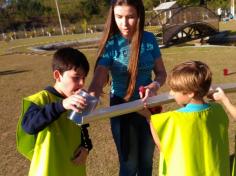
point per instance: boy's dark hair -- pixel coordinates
(190, 76)
(69, 58)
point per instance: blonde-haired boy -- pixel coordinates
(193, 140)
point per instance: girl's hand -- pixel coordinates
(146, 91)
(144, 94)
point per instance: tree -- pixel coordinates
(4, 21)
(188, 2)
(215, 4)
(26, 13)
(89, 8)
(149, 4)
(202, 2)
(84, 25)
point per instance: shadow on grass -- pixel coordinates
(10, 72)
(232, 32)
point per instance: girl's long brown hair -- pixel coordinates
(111, 28)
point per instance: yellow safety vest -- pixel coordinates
(193, 143)
(51, 151)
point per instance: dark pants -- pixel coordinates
(133, 141)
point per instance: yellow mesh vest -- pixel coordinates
(193, 143)
(51, 151)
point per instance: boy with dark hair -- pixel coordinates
(193, 140)
(54, 144)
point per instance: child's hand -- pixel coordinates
(74, 102)
(219, 94)
(80, 156)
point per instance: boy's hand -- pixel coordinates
(210, 93)
(80, 156)
(74, 102)
(216, 94)
(219, 95)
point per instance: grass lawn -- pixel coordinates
(22, 75)
(231, 26)
(23, 44)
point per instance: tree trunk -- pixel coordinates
(202, 2)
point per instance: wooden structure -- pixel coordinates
(186, 23)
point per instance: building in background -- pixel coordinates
(167, 9)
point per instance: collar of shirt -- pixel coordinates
(193, 108)
(53, 91)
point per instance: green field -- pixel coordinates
(22, 75)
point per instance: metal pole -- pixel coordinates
(138, 105)
(59, 18)
(232, 8)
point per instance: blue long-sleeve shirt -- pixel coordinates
(37, 118)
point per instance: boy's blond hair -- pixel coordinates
(190, 76)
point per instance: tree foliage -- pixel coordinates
(24, 14)
(149, 4)
(214, 4)
(188, 2)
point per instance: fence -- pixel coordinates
(49, 31)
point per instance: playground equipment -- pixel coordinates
(183, 24)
